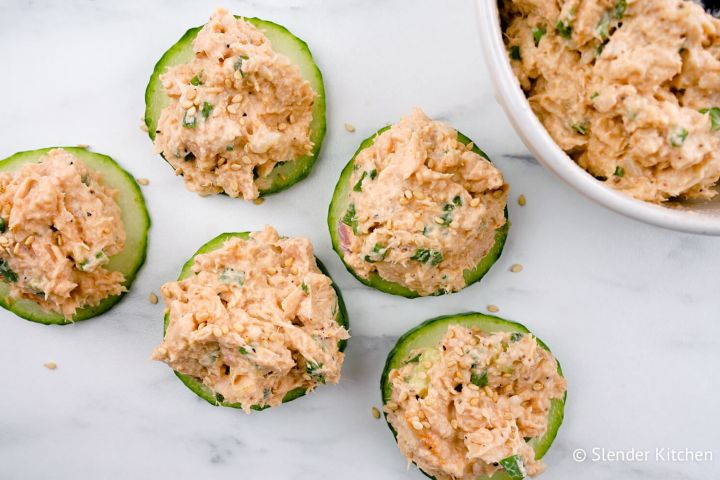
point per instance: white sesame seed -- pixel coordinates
(143, 181)
(516, 268)
(521, 200)
(50, 365)
(474, 202)
(153, 298)
(350, 127)
(375, 413)
(493, 308)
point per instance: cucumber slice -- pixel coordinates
(429, 334)
(284, 174)
(339, 205)
(135, 220)
(195, 384)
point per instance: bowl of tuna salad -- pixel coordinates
(237, 107)
(73, 234)
(253, 321)
(473, 396)
(619, 98)
(419, 210)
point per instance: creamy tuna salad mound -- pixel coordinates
(628, 88)
(465, 405)
(423, 208)
(255, 321)
(236, 110)
(59, 225)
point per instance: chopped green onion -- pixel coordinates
(243, 351)
(424, 255)
(515, 52)
(594, 95)
(457, 201)
(678, 136)
(312, 369)
(187, 122)
(6, 272)
(3, 225)
(619, 171)
(602, 31)
(414, 359)
(219, 397)
(206, 109)
(479, 379)
(581, 128)
(304, 287)
(196, 80)
(564, 30)
(230, 276)
(358, 185)
(350, 218)
(436, 257)
(238, 64)
(514, 337)
(619, 9)
(538, 33)
(373, 174)
(714, 117)
(377, 254)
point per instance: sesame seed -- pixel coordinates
(474, 202)
(50, 365)
(153, 298)
(282, 126)
(237, 98)
(143, 181)
(453, 423)
(294, 270)
(419, 195)
(235, 167)
(289, 261)
(350, 127)
(217, 331)
(474, 402)
(403, 201)
(516, 268)
(375, 413)
(537, 386)
(233, 108)
(191, 111)
(259, 201)
(392, 406)
(16, 249)
(191, 94)
(408, 194)
(86, 146)
(271, 271)
(4, 240)
(439, 220)
(470, 146)
(417, 425)
(29, 240)
(493, 308)
(521, 200)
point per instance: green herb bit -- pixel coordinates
(514, 467)
(594, 95)
(219, 397)
(436, 257)
(350, 218)
(563, 29)
(358, 185)
(514, 337)
(515, 53)
(312, 369)
(304, 287)
(457, 201)
(373, 174)
(3, 225)
(85, 179)
(714, 117)
(196, 80)
(603, 27)
(189, 122)
(479, 379)
(6, 272)
(238, 64)
(678, 136)
(421, 255)
(229, 148)
(207, 109)
(230, 276)
(581, 127)
(377, 254)
(243, 351)
(538, 33)
(619, 9)
(619, 171)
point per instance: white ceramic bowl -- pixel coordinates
(693, 217)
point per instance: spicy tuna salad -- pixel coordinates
(630, 89)
(474, 403)
(59, 226)
(236, 110)
(420, 208)
(255, 320)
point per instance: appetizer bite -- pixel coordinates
(472, 396)
(237, 107)
(73, 234)
(629, 89)
(253, 321)
(419, 210)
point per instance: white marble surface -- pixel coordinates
(630, 310)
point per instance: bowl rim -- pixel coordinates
(533, 134)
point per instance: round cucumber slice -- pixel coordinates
(284, 174)
(429, 334)
(136, 221)
(195, 384)
(339, 205)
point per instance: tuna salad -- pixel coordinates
(630, 89)
(59, 225)
(423, 209)
(255, 321)
(472, 404)
(237, 109)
